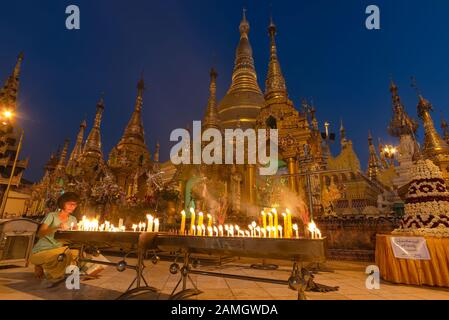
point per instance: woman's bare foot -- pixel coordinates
(39, 272)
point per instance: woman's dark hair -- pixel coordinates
(67, 197)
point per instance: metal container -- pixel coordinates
(16, 241)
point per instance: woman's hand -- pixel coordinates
(45, 230)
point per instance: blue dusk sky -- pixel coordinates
(325, 50)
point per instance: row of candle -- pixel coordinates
(270, 228)
(152, 225)
(93, 225)
(86, 224)
(273, 222)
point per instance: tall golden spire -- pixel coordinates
(373, 161)
(78, 149)
(211, 119)
(445, 128)
(400, 124)
(275, 86)
(244, 98)
(93, 142)
(433, 143)
(343, 140)
(63, 157)
(156, 152)
(8, 93)
(134, 133)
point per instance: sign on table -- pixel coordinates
(411, 248)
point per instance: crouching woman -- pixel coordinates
(47, 250)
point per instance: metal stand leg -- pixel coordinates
(185, 293)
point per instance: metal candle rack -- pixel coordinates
(298, 251)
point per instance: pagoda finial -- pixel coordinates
(373, 161)
(93, 142)
(401, 124)
(8, 93)
(343, 140)
(140, 87)
(156, 152)
(244, 25)
(211, 119)
(275, 86)
(78, 149)
(63, 157)
(433, 144)
(134, 133)
(445, 128)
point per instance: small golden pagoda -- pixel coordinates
(434, 148)
(130, 159)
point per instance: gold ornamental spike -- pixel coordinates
(275, 86)
(433, 144)
(93, 142)
(211, 119)
(9, 91)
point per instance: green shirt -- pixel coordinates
(48, 242)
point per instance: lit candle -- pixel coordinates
(276, 223)
(150, 219)
(264, 219)
(247, 234)
(209, 221)
(200, 220)
(123, 229)
(210, 231)
(144, 226)
(120, 223)
(192, 221)
(284, 215)
(134, 227)
(295, 227)
(280, 231)
(312, 228)
(231, 231)
(237, 229)
(264, 232)
(254, 225)
(71, 226)
(183, 223)
(156, 225)
(289, 223)
(251, 229)
(193, 233)
(269, 232)
(228, 232)
(258, 234)
(216, 233)
(203, 230)
(270, 220)
(220, 229)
